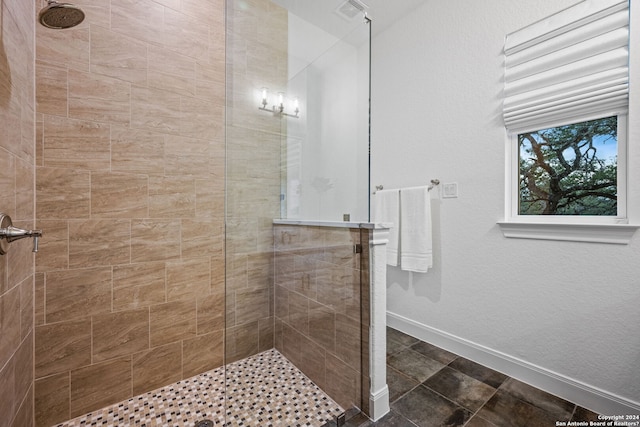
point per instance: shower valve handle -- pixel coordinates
(9, 233)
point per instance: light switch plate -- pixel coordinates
(450, 190)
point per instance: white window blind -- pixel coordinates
(571, 65)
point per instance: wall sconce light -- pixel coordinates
(278, 108)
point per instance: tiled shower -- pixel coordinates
(129, 158)
(140, 132)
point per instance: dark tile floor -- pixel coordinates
(432, 387)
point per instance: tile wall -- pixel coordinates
(256, 58)
(17, 171)
(129, 285)
(319, 322)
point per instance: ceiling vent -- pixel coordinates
(350, 9)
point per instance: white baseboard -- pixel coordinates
(379, 404)
(559, 385)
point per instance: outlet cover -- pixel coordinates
(450, 190)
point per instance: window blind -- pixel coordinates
(573, 64)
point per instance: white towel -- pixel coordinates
(416, 253)
(386, 208)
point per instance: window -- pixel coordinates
(572, 170)
(565, 106)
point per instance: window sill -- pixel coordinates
(620, 234)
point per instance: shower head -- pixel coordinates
(60, 15)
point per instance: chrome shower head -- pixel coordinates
(60, 15)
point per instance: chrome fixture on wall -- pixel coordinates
(9, 233)
(278, 108)
(60, 15)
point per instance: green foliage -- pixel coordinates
(563, 173)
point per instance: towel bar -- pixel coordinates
(434, 182)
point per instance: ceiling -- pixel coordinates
(383, 13)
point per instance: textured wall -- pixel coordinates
(130, 195)
(569, 308)
(17, 171)
(318, 307)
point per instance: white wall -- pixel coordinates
(556, 313)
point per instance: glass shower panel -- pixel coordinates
(325, 155)
(292, 289)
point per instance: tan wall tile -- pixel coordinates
(138, 285)
(172, 197)
(305, 354)
(118, 195)
(4, 284)
(171, 71)
(120, 334)
(348, 337)
(343, 383)
(53, 248)
(185, 34)
(241, 341)
(100, 98)
(155, 240)
(39, 299)
(210, 312)
(189, 279)
(66, 48)
(173, 321)
(208, 11)
(62, 193)
(25, 194)
(201, 118)
(136, 151)
(51, 92)
(186, 156)
(99, 242)
(118, 56)
(253, 304)
(96, 386)
(97, 13)
(202, 353)
(260, 270)
(174, 4)
(39, 143)
(236, 268)
(201, 237)
(62, 346)
(9, 324)
(75, 144)
(52, 399)
(299, 312)
(332, 282)
(322, 325)
(26, 307)
(7, 183)
(139, 19)
(7, 384)
(157, 367)
(211, 90)
(267, 333)
(23, 362)
(282, 303)
(73, 294)
(209, 198)
(155, 110)
(218, 271)
(24, 414)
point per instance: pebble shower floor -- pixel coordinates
(263, 390)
